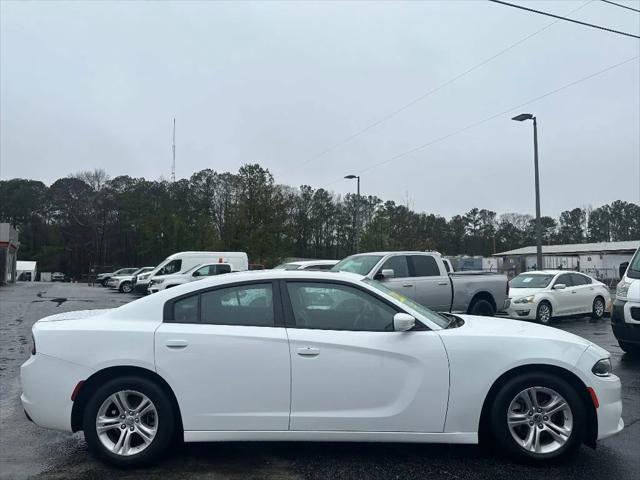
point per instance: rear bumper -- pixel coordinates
(47, 385)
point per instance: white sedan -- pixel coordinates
(312, 356)
(542, 295)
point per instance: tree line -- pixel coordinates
(90, 220)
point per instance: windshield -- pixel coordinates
(287, 266)
(528, 280)
(361, 264)
(633, 271)
(436, 318)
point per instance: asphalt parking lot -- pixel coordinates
(27, 451)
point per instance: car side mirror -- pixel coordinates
(388, 273)
(403, 322)
(196, 274)
(559, 286)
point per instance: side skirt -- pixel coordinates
(329, 436)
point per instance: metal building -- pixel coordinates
(601, 260)
(9, 245)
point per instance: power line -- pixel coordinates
(499, 114)
(565, 18)
(404, 107)
(621, 6)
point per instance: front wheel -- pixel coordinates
(538, 417)
(630, 348)
(543, 314)
(126, 287)
(129, 422)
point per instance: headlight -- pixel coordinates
(143, 277)
(602, 368)
(155, 282)
(622, 289)
(528, 299)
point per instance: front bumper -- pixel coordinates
(608, 391)
(625, 321)
(522, 311)
(141, 287)
(47, 385)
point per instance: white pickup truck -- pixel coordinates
(422, 276)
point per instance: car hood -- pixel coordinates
(122, 277)
(524, 292)
(77, 315)
(173, 276)
(501, 327)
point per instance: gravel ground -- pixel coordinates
(27, 451)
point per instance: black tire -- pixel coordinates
(544, 313)
(597, 309)
(630, 348)
(126, 287)
(500, 428)
(166, 422)
(482, 308)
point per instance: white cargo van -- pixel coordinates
(625, 315)
(182, 261)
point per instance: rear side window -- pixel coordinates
(580, 279)
(248, 305)
(424, 266)
(185, 310)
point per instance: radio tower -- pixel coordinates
(173, 150)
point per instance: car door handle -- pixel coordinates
(573, 291)
(308, 352)
(407, 284)
(176, 344)
(443, 283)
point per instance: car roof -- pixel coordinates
(550, 272)
(261, 275)
(398, 252)
(313, 262)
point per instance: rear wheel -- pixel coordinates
(129, 421)
(483, 308)
(126, 287)
(538, 417)
(543, 314)
(597, 310)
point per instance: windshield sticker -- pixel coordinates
(527, 279)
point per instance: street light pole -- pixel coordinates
(520, 118)
(357, 233)
(538, 220)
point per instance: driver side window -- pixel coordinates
(327, 306)
(565, 278)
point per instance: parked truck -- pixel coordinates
(423, 277)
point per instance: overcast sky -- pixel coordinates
(96, 84)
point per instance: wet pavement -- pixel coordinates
(27, 451)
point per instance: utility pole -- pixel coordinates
(173, 150)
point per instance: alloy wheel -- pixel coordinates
(540, 420)
(544, 313)
(598, 307)
(127, 422)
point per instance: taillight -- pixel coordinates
(33, 345)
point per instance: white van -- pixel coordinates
(183, 261)
(625, 315)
